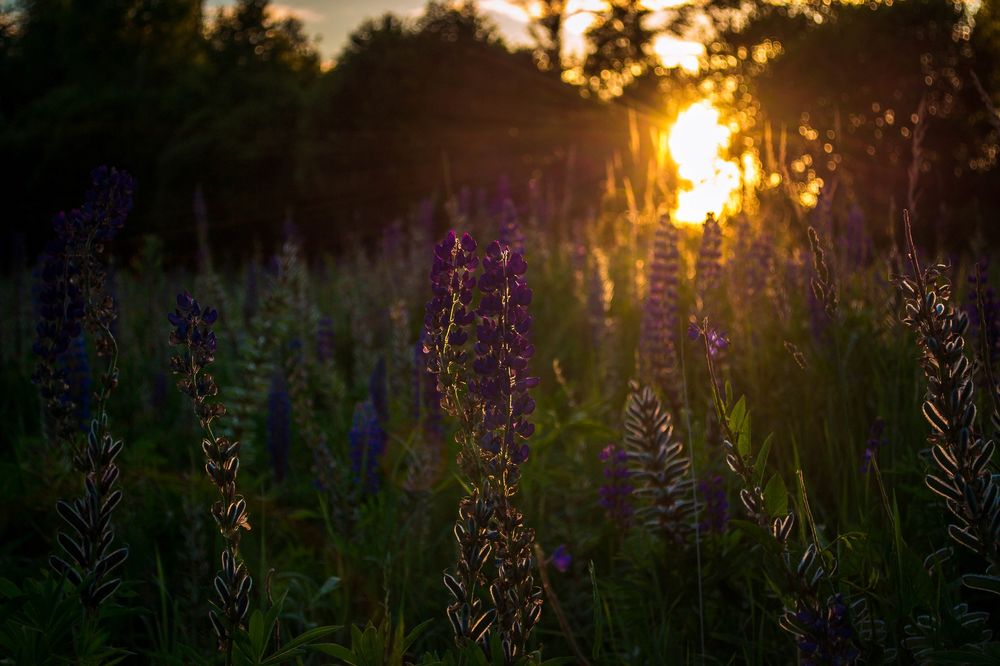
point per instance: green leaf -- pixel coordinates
(331, 584)
(598, 615)
(776, 497)
(339, 651)
(414, 634)
(739, 423)
(8, 590)
(761, 460)
(297, 644)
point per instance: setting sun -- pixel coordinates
(710, 183)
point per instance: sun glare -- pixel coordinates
(709, 182)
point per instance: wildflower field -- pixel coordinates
(535, 421)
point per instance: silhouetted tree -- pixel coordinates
(620, 47)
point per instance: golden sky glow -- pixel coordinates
(709, 182)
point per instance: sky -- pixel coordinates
(332, 21)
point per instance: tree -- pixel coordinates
(620, 47)
(547, 18)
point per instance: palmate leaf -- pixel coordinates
(658, 465)
(982, 582)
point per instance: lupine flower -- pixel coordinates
(715, 506)
(74, 295)
(366, 443)
(192, 331)
(560, 558)
(279, 425)
(448, 313)
(876, 440)
(659, 316)
(502, 353)
(961, 474)
(72, 291)
(708, 268)
(501, 386)
(717, 340)
(984, 325)
(828, 639)
(760, 261)
(616, 492)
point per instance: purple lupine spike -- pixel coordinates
(985, 324)
(72, 275)
(616, 492)
(708, 268)
(108, 201)
(876, 440)
(760, 264)
(659, 318)
(827, 636)
(279, 425)
(449, 314)
(192, 328)
(502, 354)
(366, 441)
(857, 240)
(715, 506)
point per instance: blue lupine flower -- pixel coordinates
(659, 316)
(279, 425)
(561, 559)
(984, 325)
(715, 505)
(502, 354)
(876, 440)
(366, 441)
(717, 340)
(616, 492)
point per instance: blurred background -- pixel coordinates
(340, 111)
